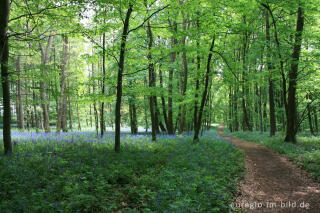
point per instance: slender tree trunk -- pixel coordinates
(230, 110)
(132, 112)
(119, 80)
(145, 107)
(156, 109)
(19, 98)
(152, 98)
(310, 118)
(103, 83)
(293, 74)
(195, 113)
(96, 117)
(78, 116)
(62, 103)
(90, 114)
(284, 84)
(43, 87)
(184, 76)
(235, 109)
(70, 109)
(260, 110)
(315, 121)
(270, 68)
(245, 90)
(204, 94)
(170, 85)
(163, 102)
(133, 116)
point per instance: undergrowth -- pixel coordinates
(76, 172)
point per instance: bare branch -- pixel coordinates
(141, 25)
(37, 13)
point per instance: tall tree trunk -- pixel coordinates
(96, 117)
(119, 80)
(293, 74)
(145, 107)
(235, 109)
(152, 82)
(270, 68)
(61, 123)
(183, 76)
(95, 111)
(230, 123)
(132, 112)
(260, 110)
(6, 97)
(43, 87)
(163, 102)
(103, 83)
(70, 109)
(284, 84)
(195, 113)
(204, 94)
(170, 85)
(78, 116)
(245, 90)
(315, 121)
(156, 110)
(19, 98)
(4, 56)
(309, 117)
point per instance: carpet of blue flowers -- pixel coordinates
(78, 172)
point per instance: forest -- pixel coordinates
(149, 105)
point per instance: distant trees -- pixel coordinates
(177, 65)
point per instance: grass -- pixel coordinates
(305, 153)
(76, 172)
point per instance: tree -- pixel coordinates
(4, 56)
(124, 36)
(293, 74)
(62, 122)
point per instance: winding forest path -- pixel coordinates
(273, 182)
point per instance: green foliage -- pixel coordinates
(306, 153)
(171, 175)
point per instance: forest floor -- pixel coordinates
(272, 183)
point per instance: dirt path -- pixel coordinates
(273, 182)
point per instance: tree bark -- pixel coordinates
(61, 123)
(270, 67)
(132, 112)
(195, 113)
(4, 56)
(293, 74)
(315, 121)
(119, 80)
(103, 83)
(152, 82)
(70, 109)
(245, 89)
(43, 87)
(204, 94)
(309, 117)
(163, 102)
(19, 97)
(78, 116)
(183, 76)
(170, 85)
